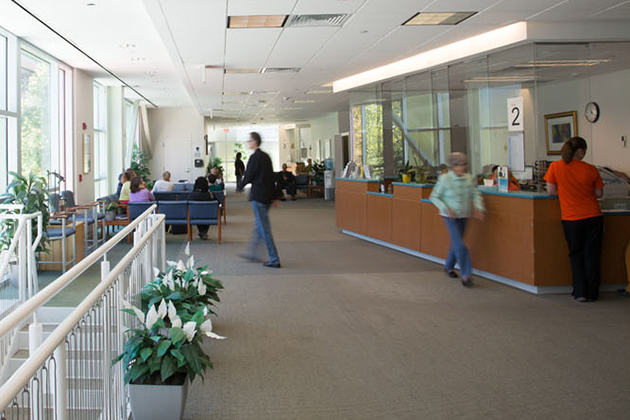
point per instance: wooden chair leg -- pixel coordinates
(219, 232)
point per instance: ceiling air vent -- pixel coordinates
(301, 21)
(281, 70)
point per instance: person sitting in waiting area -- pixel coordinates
(286, 181)
(201, 193)
(218, 177)
(164, 184)
(513, 184)
(214, 185)
(139, 191)
(125, 190)
(309, 167)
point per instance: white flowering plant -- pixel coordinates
(159, 355)
(190, 288)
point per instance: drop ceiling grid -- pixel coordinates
(297, 45)
(314, 7)
(199, 30)
(249, 48)
(460, 6)
(620, 11)
(577, 10)
(260, 7)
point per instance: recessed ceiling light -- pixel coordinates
(303, 101)
(257, 21)
(264, 92)
(319, 91)
(281, 70)
(329, 84)
(233, 102)
(438, 18)
(235, 93)
(90, 4)
(561, 63)
(241, 71)
(292, 108)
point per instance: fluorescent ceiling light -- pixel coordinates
(303, 101)
(319, 91)
(235, 93)
(329, 84)
(233, 102)
(438, 18)
(263, 92)
(258, 21)
(318, 21)
(281, 70)
(510, 79)
(561, 63)
(292, 108)
(477, 44)
(241, 71)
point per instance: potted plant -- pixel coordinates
(407, 172)
(317, 173)
(140, 165)
(32, 193)
(111, 210)
(159, 366)
(164, 352)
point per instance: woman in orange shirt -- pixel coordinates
(578, 185)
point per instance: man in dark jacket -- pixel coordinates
(260, 174)
(239, 170)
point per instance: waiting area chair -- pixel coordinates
(204, 213)
(221, 196)
(61, 232)
(176, 213)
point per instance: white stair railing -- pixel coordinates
(71, 375)
(17, 267)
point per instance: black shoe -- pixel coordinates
(466, 282)
(283, 199)
(272, 265)
(451, 273)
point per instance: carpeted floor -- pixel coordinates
(351, 330)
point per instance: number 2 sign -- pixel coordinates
(515, 114)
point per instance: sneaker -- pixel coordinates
(451, 273)
(467, 282)
(250, 258)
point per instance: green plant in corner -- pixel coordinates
(317, 174)
(140, 165)
(215, 162)
(407, 169)
(31, 192)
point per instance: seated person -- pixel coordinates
(286, 181)
(219, 177)
(120, 185)
(513, 184)
(164, 184)
(139, 192)
(308, 168)
(201, 193)
(125, 190)
(214, 185)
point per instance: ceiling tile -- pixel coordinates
(297, 45)
(258, 7)
(249, 48)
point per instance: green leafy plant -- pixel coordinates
(317, 173)
(32, 192)
(140, 165)
(156, 355)
(240, 148)
(190, 288)
(407, 169)
(112, 207)
(215, 162)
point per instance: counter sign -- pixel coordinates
(515, 114)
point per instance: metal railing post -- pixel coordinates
(61, 388)
(106, 351)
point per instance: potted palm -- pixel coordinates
(32, 193)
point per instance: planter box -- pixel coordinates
(156, 402)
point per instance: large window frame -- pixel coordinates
(9, 107)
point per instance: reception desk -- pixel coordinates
(520, 242)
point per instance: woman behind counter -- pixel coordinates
(455, 195)
(578, 185)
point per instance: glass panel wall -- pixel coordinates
(36, 137)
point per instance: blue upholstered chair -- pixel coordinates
(88, 214)
(171, 196)
(176, 213)
(221, 197)
(62, 232)
(302, 182)
(136, 208)
(204, 213)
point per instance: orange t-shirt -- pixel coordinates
(576, 183)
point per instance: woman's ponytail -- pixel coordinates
(570, 147)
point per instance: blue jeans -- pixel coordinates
(262, 232)
(458, 251)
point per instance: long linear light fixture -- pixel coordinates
(497, 38)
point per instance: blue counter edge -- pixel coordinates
(518, 194)
(356, 180)
(380, 194)
(411, 184)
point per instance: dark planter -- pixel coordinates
(158, 402)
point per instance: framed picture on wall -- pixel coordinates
(87, 153)
(560, 128)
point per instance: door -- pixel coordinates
(177, 159)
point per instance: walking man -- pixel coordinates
(260, 174)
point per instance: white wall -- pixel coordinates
(612, 93)
(115, 130)
(323, 130)
(83, 112)
(175, 132)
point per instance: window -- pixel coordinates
(100, 141)
(8, 106)
(39, 152)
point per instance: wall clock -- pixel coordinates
(591, 112)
